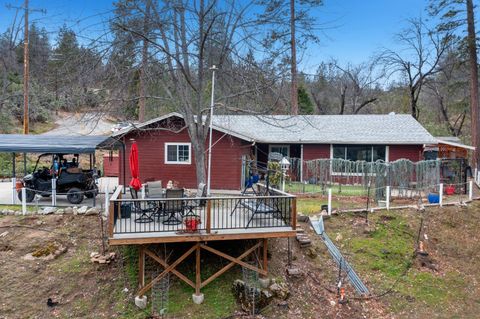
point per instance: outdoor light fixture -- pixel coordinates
(284, 165)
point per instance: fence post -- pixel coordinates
(388, 197)
(14, 190)
(54, 192)
(470, 190)
(24, 201)
(107, 199)
(440, 195)
(142, 191)
(329, 201)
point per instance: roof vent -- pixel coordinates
(391, 113)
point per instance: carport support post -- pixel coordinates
(54, 192)
(470, 190)
(24, 201)
(14, 181)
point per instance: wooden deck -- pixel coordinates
(222, 218)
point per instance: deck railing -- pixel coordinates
(205, 215)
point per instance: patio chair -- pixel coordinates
(174, 207)
(145, 214)
(154, 190)
(197, 201)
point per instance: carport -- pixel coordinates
(23, 144)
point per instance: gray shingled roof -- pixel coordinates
(318, 129)
(337, 129)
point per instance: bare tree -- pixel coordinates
(422, 51)
(187, 37)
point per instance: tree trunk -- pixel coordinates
(413, 104)
(472, 50)
(199, 150)
(141, 102)
(294, 92)
(343, 93)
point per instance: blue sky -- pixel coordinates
(353, 30)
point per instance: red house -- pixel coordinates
(166, 152)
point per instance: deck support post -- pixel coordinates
(265, 256)
(141, 267)
(198, 277)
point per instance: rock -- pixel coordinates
(82, 210)
(339, 237)
(4, 234)
(280, 290)
(294, 272)
(92, 211)
(69, 210)
(48, 210)
(302, 218)
(311, 253)
(244, 295)
(141, 302)
(60, 211)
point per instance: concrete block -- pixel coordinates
(141, 302)
(198, 299)
(264, 282)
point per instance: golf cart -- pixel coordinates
(70, 179)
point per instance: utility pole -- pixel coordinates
(25, 72)
(26, 68)
(472, 49)
(293, 63)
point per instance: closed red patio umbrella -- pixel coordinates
(134, 169)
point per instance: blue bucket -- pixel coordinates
(433, 198)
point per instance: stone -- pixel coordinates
(60, 211)
(198, 299)
(48, 210)
(264, 282)
(141, 302)
(4, 234)
(92, 211)
(302, 218)
(69, 210)
(339, 237)
(280, 290)
(294, 272)
(311, 253)
(82, 210)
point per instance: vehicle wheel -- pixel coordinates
(30, 195)
(92, 192)
(75, 195)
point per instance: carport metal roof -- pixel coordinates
(17, 143)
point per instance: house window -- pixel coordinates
(282, 149)
(178, 153)
(368, 153)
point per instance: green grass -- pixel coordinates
(219, 299)
(311, 206)
(18, 208)
(384, 258)
(341, 190)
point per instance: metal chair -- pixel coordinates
(145, 214)
(154, 190)
(197, 201)
(174, 207)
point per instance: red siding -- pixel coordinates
(315, 151)
(226, 159)
(411, 152)
(111, 166)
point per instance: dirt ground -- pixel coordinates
(86, 290)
